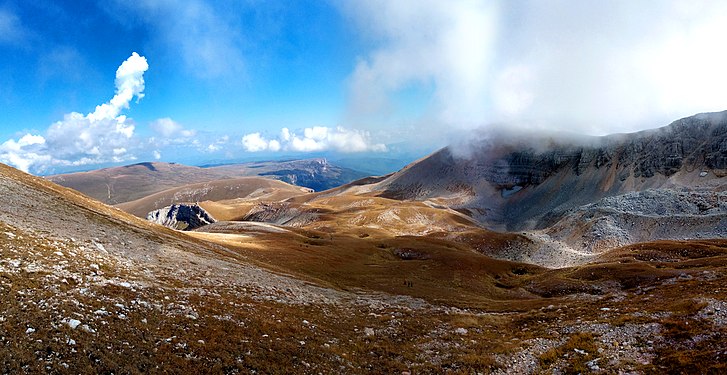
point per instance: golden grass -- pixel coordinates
(234, 331)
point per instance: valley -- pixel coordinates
(487, 264)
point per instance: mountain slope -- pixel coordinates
(218, 190)
(513, 183)
(124, 184)
(87, 288)
(576, 196)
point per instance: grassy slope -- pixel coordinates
(238, 189)
(530, 314)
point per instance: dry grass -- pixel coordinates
(187, 313)
(571, 357)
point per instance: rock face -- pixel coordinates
(181, 216)
(512, 183)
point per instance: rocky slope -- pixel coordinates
(512, 183)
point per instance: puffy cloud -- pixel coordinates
(129, 84)
(589, 66)
(24, 152)
(317, 138)
(274, 145)
(169, 128)
(254, 142)
(104, 135)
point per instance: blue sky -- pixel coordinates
(238, 79)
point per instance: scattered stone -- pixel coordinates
(73, 323)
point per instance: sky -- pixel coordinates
(91, 83)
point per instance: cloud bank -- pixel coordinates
(104, 135)
(314, 139)
(587, 66)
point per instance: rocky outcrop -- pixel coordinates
(511, 182)
(181, 217)
(642, 216)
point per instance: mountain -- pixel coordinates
(513, 183)
(316, 174)
(376, 165)
(123, 184)
(346, 280)
(236, 189)
(587, 194)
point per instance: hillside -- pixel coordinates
(124, 184)
(240, 189)
(88, 288)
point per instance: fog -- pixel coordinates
(592, 67)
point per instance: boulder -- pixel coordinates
(181, 216)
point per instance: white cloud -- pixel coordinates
(317, 138)
(254, 142)
(588, 66)
(274, 145)
(129, 84)
(218, 144)
(24, 152)
(447, 42)
(104, 135)
(169, 128)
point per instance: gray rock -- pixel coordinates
(181, 216)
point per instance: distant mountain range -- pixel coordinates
(123, 184)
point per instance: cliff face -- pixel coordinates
(511, 183)
(181, 216)
(692, 142)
